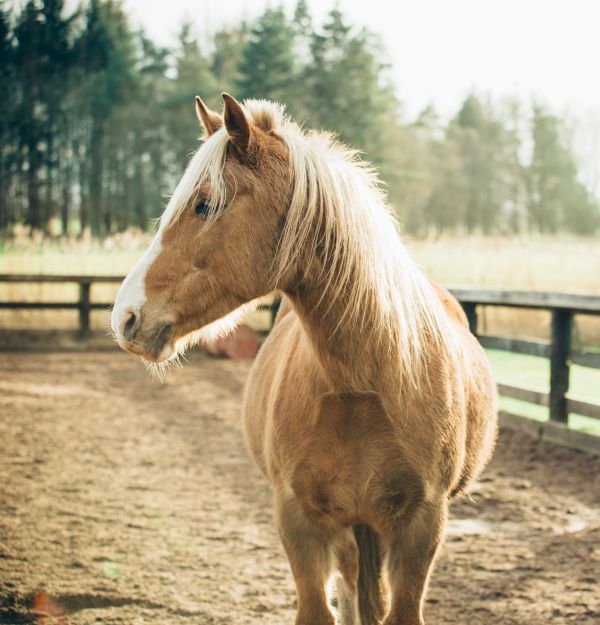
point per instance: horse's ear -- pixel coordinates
(236, 123)
(209, 120)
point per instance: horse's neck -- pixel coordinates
(363, 314)
(347, 343)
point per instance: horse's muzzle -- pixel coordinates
(153, 344)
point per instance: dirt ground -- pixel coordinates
(132, 502)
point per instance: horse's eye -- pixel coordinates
(201, 208)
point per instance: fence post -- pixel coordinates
(470, 309)
(84, 309)
(560, 351)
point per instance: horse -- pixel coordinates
(370, 405)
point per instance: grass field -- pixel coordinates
(534, 373)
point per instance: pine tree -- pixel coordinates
(266, 66)
(228, 45)
(7, 115)
(108, 60)
(149, 136)
(57, 61)
(28, 61)
(193, 77)
(346, 88)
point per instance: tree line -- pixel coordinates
(97, 123)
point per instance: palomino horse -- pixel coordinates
(370, 405)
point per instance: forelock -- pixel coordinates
(265, 114)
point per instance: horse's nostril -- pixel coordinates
(130, 326)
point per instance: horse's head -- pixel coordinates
(214, 248)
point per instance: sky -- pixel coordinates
(440, 50)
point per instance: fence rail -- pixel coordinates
(562, 306)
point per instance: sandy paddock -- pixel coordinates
(130, 501)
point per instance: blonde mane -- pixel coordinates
(368, 267)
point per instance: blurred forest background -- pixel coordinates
(97, 123)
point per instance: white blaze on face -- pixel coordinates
(132, 294)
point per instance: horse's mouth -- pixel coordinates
(158, 348)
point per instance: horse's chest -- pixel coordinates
(327, 481)
(339, 465)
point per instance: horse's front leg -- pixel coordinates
(411, 546)
(309, 550)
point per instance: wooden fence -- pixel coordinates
(84, 304)
(562, 306)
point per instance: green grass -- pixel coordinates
(534, 373)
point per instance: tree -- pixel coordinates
(108, 60)
(193, 77)
(266, 65)
(346, 89)
(28, 61)
(557, 199)
(489, 151)
(228, 44)
(151, 143)
(475, 134)
(449, 190)
(56, 59)
(8, 87)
